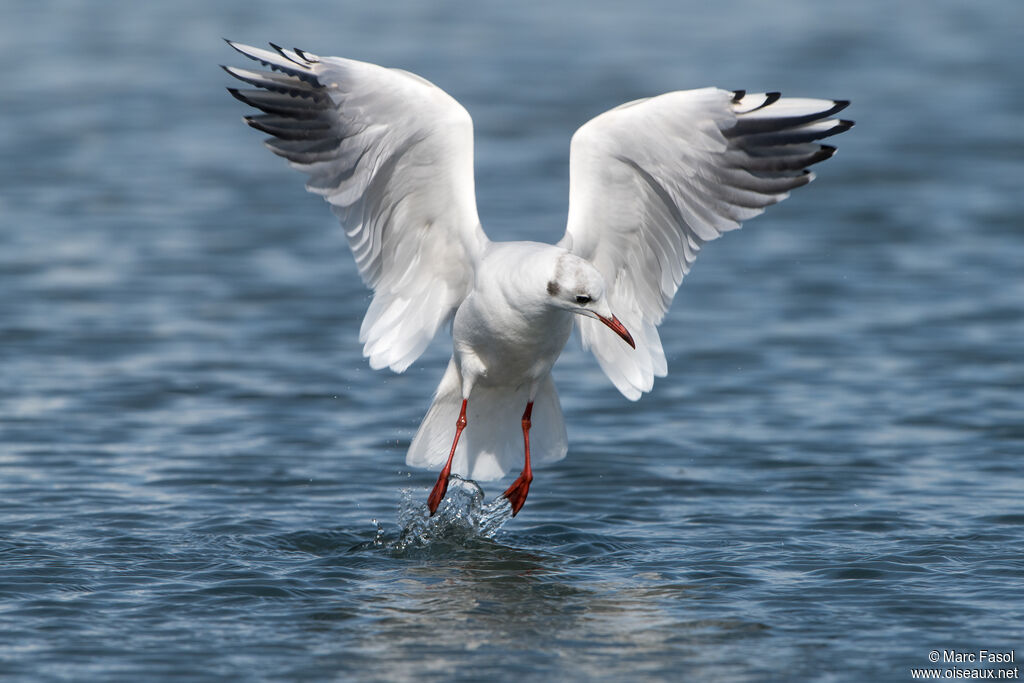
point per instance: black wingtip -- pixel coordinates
(770, 98)
(304, 55)
(844, 125)
(237, 94)
(253, 123)
(235, 46)
(280, 51)
(824, 153)
(738, 95)
(230, 71)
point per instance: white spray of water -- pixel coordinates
(461, 517)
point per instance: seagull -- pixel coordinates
(650, 182)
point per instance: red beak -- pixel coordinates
(618, 328)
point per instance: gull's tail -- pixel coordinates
(492, 443)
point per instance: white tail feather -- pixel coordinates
(492, 442)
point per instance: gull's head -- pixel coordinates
(578, 286)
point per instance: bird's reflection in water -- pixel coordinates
(466, 594)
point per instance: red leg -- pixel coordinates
(441, 487)
(516, 493)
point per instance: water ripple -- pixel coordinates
(201, 479)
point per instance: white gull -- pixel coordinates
(650, 182)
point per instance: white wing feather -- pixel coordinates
(393, 155)
(651, 181)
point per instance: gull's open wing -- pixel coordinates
(393, 155)
(651, 181)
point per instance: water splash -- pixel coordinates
(462, 516)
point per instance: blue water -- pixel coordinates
(201, 479)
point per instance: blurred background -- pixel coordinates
(200, 475)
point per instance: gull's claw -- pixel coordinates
(516, 493)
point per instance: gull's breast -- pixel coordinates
(510, 346)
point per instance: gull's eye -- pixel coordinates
(582, 299)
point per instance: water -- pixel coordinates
(200, 478)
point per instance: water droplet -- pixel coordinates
(461, 517)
